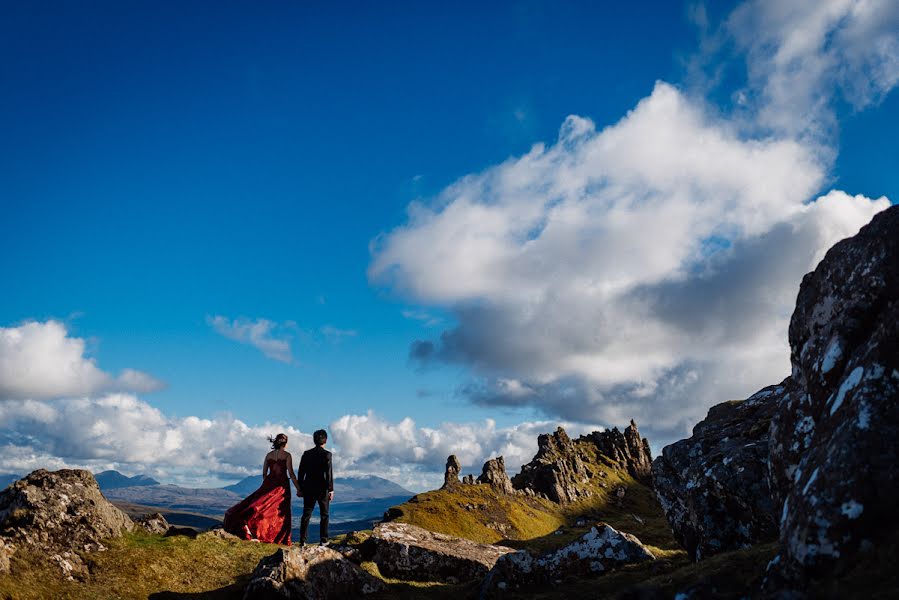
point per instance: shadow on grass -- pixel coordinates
(229, 592)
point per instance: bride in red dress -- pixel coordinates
(264, 515)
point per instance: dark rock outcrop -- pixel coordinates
(833, 446)
(557, 471)
(313, 573)
(411, 553)
(563, 468)
(153, 523)
(628, 449)
(60, 513)
(451, 475)
(599, 550)
(713, 486)
(494, 474)
(468, 479)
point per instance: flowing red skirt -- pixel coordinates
(265, 513)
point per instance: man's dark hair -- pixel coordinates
(320, 437)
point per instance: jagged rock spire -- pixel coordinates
(494, 473)
(451, 475)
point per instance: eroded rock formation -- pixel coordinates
(411, 553)
(60, 513)
(494, 474)
(451, 475)
(563, 468)
(713, 486)
(628, 449)
(557, 471)
(310, 573)
(599, 550)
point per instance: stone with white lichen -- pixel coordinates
(601, 549)
(833, 446)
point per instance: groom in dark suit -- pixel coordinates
(316, 485)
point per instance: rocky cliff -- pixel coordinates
(811, 461)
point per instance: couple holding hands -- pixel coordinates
(264, 515)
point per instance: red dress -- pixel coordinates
(265, 512)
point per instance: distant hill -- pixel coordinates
(346, 489)
(174, 517)
(8, 478)
(110, 480)
(207, 501)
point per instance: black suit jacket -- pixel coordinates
(315, 475)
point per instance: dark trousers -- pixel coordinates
(308, 506)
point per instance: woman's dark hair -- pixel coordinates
(320, 437)
(279, 441)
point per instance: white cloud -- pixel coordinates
(647, 270)
(121, 431)
(124, 432)
(262, 334)
(38, 360)
(804, 55)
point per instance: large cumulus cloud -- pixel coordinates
(39, 360)
(649, 269)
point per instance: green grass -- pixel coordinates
(139, 565)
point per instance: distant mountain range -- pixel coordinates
(346, 489)
(110, 480)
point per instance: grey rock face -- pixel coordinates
(833, 446)
(310, 573)
(153, 523)
(451, 475)
(411, 553)
(59, 513)
(599, 550)
(714, 486)
(494, 474)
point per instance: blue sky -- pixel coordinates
(164, 165)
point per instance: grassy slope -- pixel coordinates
(478, 513)
(140, 565)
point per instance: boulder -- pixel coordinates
(153, 523)
(468, 479)
(494, 474)
(599, 550)
(407, 552)
(60, 513)
(451, 475)
(833, 445)
(217, 533)
(713, 486)
(310, 573)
